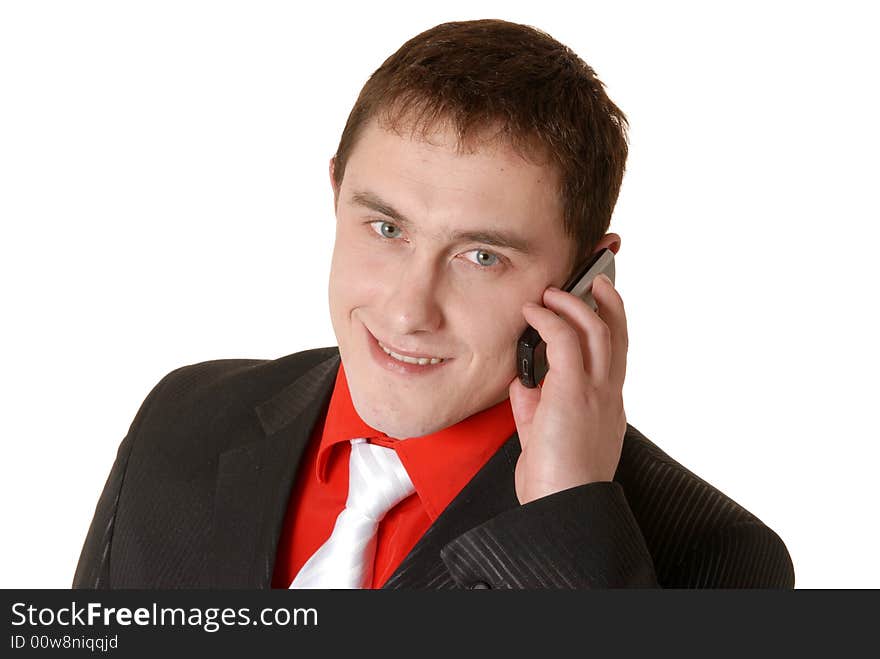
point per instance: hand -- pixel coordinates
(571, 429)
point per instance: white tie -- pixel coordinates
(377, 481)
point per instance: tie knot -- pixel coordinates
(377, 480)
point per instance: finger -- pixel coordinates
(611, 310)
(523, 402)
(594, 334)
(563, 345)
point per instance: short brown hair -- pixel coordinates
(544, 99)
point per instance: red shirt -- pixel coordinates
(439, 465)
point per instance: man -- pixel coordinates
(480, 164)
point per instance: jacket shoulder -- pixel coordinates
(199, 410)
(688, 523)
(254, 376)
(229, 383)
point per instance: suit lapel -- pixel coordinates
(489, 493)
(254, 481)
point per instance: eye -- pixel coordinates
(484, 258)
(386, 229)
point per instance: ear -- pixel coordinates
(333, 180)
(609, 240)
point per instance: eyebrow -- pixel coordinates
(484, 236)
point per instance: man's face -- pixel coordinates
(435, 255)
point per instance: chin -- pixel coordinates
(394, 422)
(403, 428)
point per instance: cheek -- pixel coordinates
(356, 273)
(492, 325)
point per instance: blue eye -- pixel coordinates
(386, 229)
(484, 258)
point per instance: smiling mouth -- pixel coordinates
(421, 361)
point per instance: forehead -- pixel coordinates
(483, 182)
(444, 138)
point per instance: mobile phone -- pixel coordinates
(531, 351)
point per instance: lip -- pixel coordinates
(388, 362)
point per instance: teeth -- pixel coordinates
(421, 361)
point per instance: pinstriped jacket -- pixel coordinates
(197, 495)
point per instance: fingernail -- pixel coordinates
(553, 288)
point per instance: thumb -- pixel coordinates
(523, 402)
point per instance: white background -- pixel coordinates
(164, 200)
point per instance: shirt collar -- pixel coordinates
(439, 464)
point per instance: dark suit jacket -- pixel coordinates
(198, 492)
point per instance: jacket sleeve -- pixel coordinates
(747, 554)
(93, 568)
(588, 537)
(582, 537)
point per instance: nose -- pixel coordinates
(412, 302)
